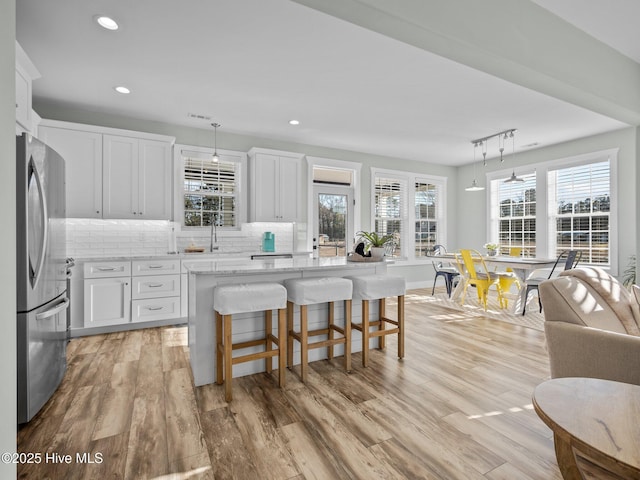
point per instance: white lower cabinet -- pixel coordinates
(156, 290)
(107, 301)
(130, 292)
(107, 293)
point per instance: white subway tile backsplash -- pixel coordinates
(94, 238)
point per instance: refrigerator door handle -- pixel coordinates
(37, 269)
(54, 311)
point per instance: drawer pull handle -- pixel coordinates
(155, 285)
(107, 269)
(155, 266)
(154, 308)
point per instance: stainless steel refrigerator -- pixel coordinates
(41, 274)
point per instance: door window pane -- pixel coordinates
(332, 225)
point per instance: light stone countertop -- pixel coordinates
(233, 266)
(204, 256)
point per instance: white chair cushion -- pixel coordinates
(249, 297)
(373, 287)
(307, 291)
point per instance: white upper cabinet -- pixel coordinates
(275, 181)
(136, 178)
(120, 177)
(113, 175)
(26, 119)
(82, 153)
(154, 179)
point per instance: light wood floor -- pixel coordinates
(457, 407)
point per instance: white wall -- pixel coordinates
(472, 223)
(8, 234)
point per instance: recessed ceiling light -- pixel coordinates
(294, 122)
(121, 89)
(106, 22)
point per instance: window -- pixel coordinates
(390, 210)
(566, 204)
(581, 198)
(209, 191)
(426, 204)
(517, 214)
(416, 230)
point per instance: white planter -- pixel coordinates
(377, 252)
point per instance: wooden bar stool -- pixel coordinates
(241, 298)
(308, 291)
(379, 287)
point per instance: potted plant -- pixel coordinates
(376, 242)
(492, 248)
(629, 275)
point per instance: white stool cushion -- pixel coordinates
(249, 297)
(307, 291)
(374, 287)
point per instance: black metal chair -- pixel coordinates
(448, 273)
(570, 259)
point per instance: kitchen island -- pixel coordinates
(204, 276)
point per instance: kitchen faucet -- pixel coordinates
(214, 233)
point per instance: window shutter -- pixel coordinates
(391, 209)
(581, 202)
(517, 214)
(210, 189)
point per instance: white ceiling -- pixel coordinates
(252, 65)
(614, 22)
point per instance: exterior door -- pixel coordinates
(333, 224)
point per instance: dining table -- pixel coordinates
(520, 266)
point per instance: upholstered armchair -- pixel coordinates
(591, 326)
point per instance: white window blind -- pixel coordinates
(391, 209)
(580, 204)
(210, 191)
(427, 207)
(517, 215)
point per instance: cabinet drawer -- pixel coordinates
(155, 267)
(155, 309)
(155, 286)
(107, 269)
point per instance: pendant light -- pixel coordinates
(484, 153)
(474, 187)
(513, 178)
(215, 126)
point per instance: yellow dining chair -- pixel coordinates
(482, 279)
(508, 277)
